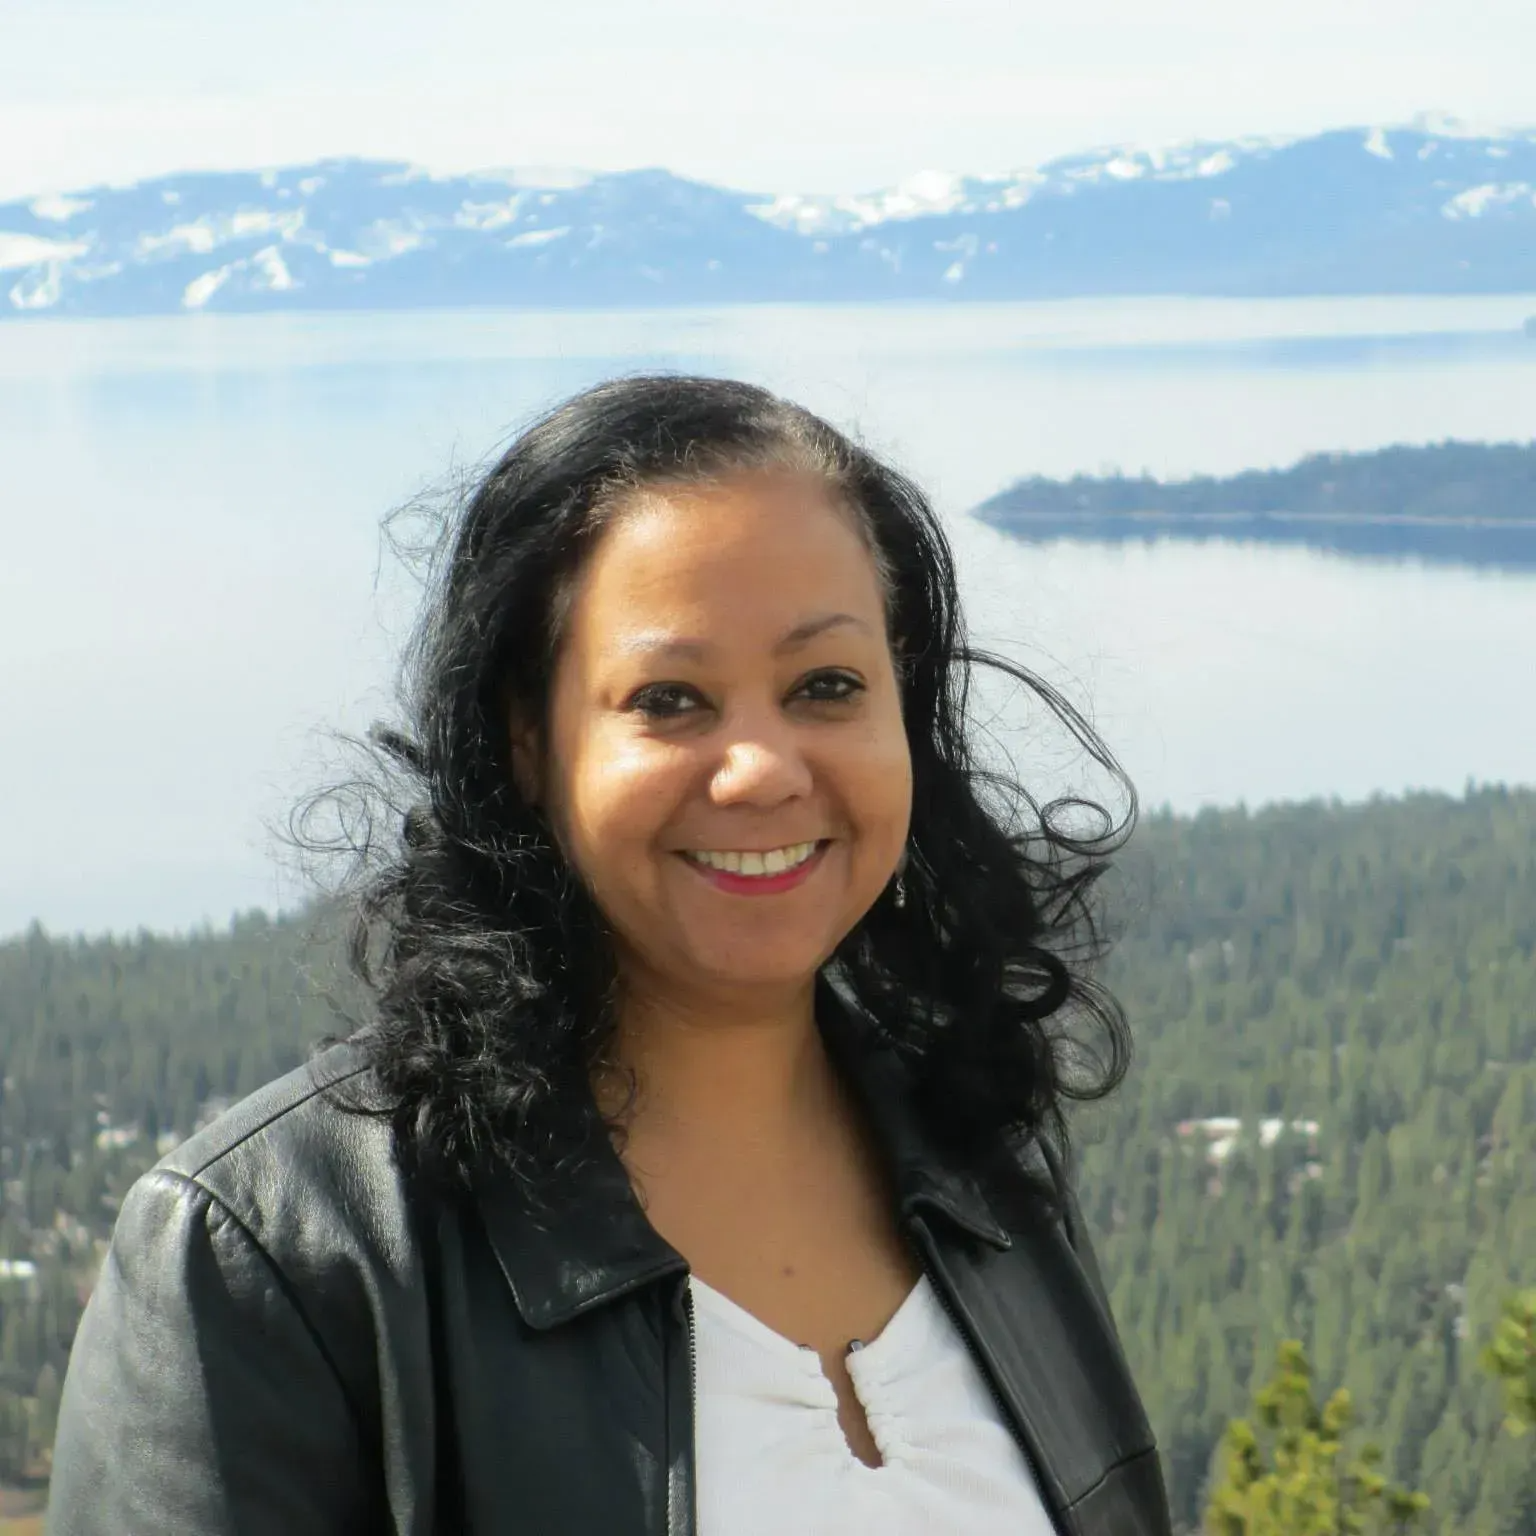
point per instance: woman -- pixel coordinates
(699, 1165)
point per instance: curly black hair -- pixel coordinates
(487, 968)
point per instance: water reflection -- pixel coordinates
(1490, 545)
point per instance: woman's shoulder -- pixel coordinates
(280, 1116)
(251, 1276)
(305, 1165)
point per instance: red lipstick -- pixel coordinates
(759, 885)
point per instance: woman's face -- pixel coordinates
(726, 764)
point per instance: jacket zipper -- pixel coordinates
(693, 1355)
(919, 1230)
(693, 1417)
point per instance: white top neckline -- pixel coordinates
(771, 1456)
(900, 1327)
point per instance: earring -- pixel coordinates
(901, 892)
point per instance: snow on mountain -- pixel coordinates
(60, 209)
(924, 195)
(1432, 207)
(1476, 201)
(34, 250)
(938, 192)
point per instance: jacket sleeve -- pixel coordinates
(197, 1398)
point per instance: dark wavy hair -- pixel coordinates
(488, 974)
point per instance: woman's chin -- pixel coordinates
(764, 970)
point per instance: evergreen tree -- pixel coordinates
(1512, 1359)
(1294, 1476)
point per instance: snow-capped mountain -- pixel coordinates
(1427, 208)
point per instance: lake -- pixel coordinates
(193, 590)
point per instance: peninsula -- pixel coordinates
(1457, 503)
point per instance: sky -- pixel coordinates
(800, 95)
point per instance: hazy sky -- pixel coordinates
(800, 94)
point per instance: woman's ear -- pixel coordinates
(527, 760)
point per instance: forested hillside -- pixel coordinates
(1330, 1133)
(1356, 988)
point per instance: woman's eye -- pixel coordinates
(831, 687)
(664, 700)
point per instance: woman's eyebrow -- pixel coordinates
(662, 643)
(802, 633)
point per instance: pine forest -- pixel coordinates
(1328, 1136)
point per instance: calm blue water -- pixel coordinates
(193, 589)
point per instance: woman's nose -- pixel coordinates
(761, 766)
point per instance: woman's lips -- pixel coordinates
(760, 885)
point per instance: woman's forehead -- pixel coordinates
(671, 644)
(762, 541)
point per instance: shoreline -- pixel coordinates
(1006, 522)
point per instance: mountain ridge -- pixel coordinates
(1432, 208)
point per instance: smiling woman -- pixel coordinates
(725, 696)
(700, 1165)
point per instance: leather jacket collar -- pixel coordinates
(597, 1245)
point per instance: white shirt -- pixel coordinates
(772, 1458)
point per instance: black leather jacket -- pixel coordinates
(287, 1340)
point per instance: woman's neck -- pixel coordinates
(727, 1072)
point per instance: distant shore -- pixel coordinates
(1154, 515)
(1449, 503)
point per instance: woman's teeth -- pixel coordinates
(774, 862)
